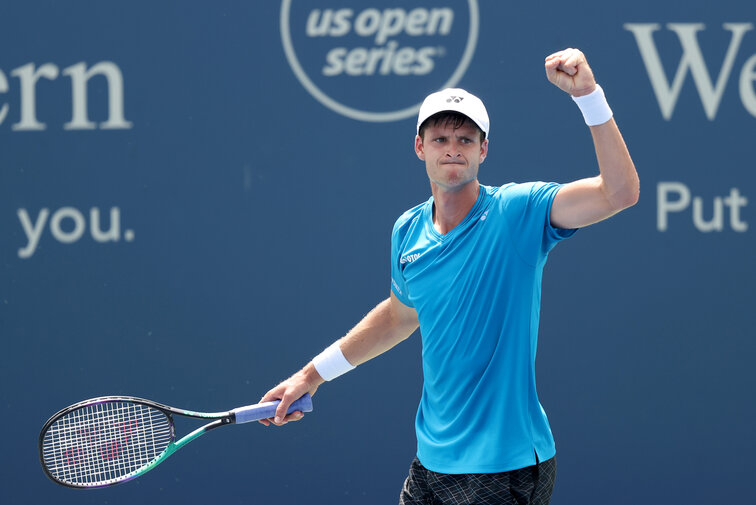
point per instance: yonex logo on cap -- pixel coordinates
(455, 99)
(346, 57)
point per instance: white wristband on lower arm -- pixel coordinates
(331, 363)
(594, 107)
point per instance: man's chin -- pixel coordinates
(454, 185)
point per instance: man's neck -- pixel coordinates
(451, 207)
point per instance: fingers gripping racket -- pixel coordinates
(113, 439)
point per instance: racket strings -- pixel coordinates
(105, 442)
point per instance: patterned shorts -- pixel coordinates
(527, 486)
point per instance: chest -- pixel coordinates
(435, 266)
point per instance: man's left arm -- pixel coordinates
(588, 201)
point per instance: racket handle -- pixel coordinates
(268, 409)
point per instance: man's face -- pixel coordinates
(452, 156)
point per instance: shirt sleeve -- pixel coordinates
(398, 283)
(528, 207)
(542, 195)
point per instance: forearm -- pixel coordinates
(618, 177)
(587, 201)
(380, 330)
(377, 332)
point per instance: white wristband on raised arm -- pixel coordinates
(594, 107)
(331, 363)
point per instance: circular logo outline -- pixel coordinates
(367, 116)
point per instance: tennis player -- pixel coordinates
(466, 268)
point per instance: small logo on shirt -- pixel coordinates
(409, 258)
(484, 216)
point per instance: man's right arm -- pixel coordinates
(382, 328)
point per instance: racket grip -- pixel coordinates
(268, 409)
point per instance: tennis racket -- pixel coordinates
(113, 439)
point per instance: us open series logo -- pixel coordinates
(377, 62)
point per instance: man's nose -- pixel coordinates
(453, 150)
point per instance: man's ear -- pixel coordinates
(419, 147)
(483, 150)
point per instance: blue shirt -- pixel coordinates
(477, 293)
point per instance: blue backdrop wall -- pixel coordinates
(197, 197)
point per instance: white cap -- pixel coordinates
(458, 100)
